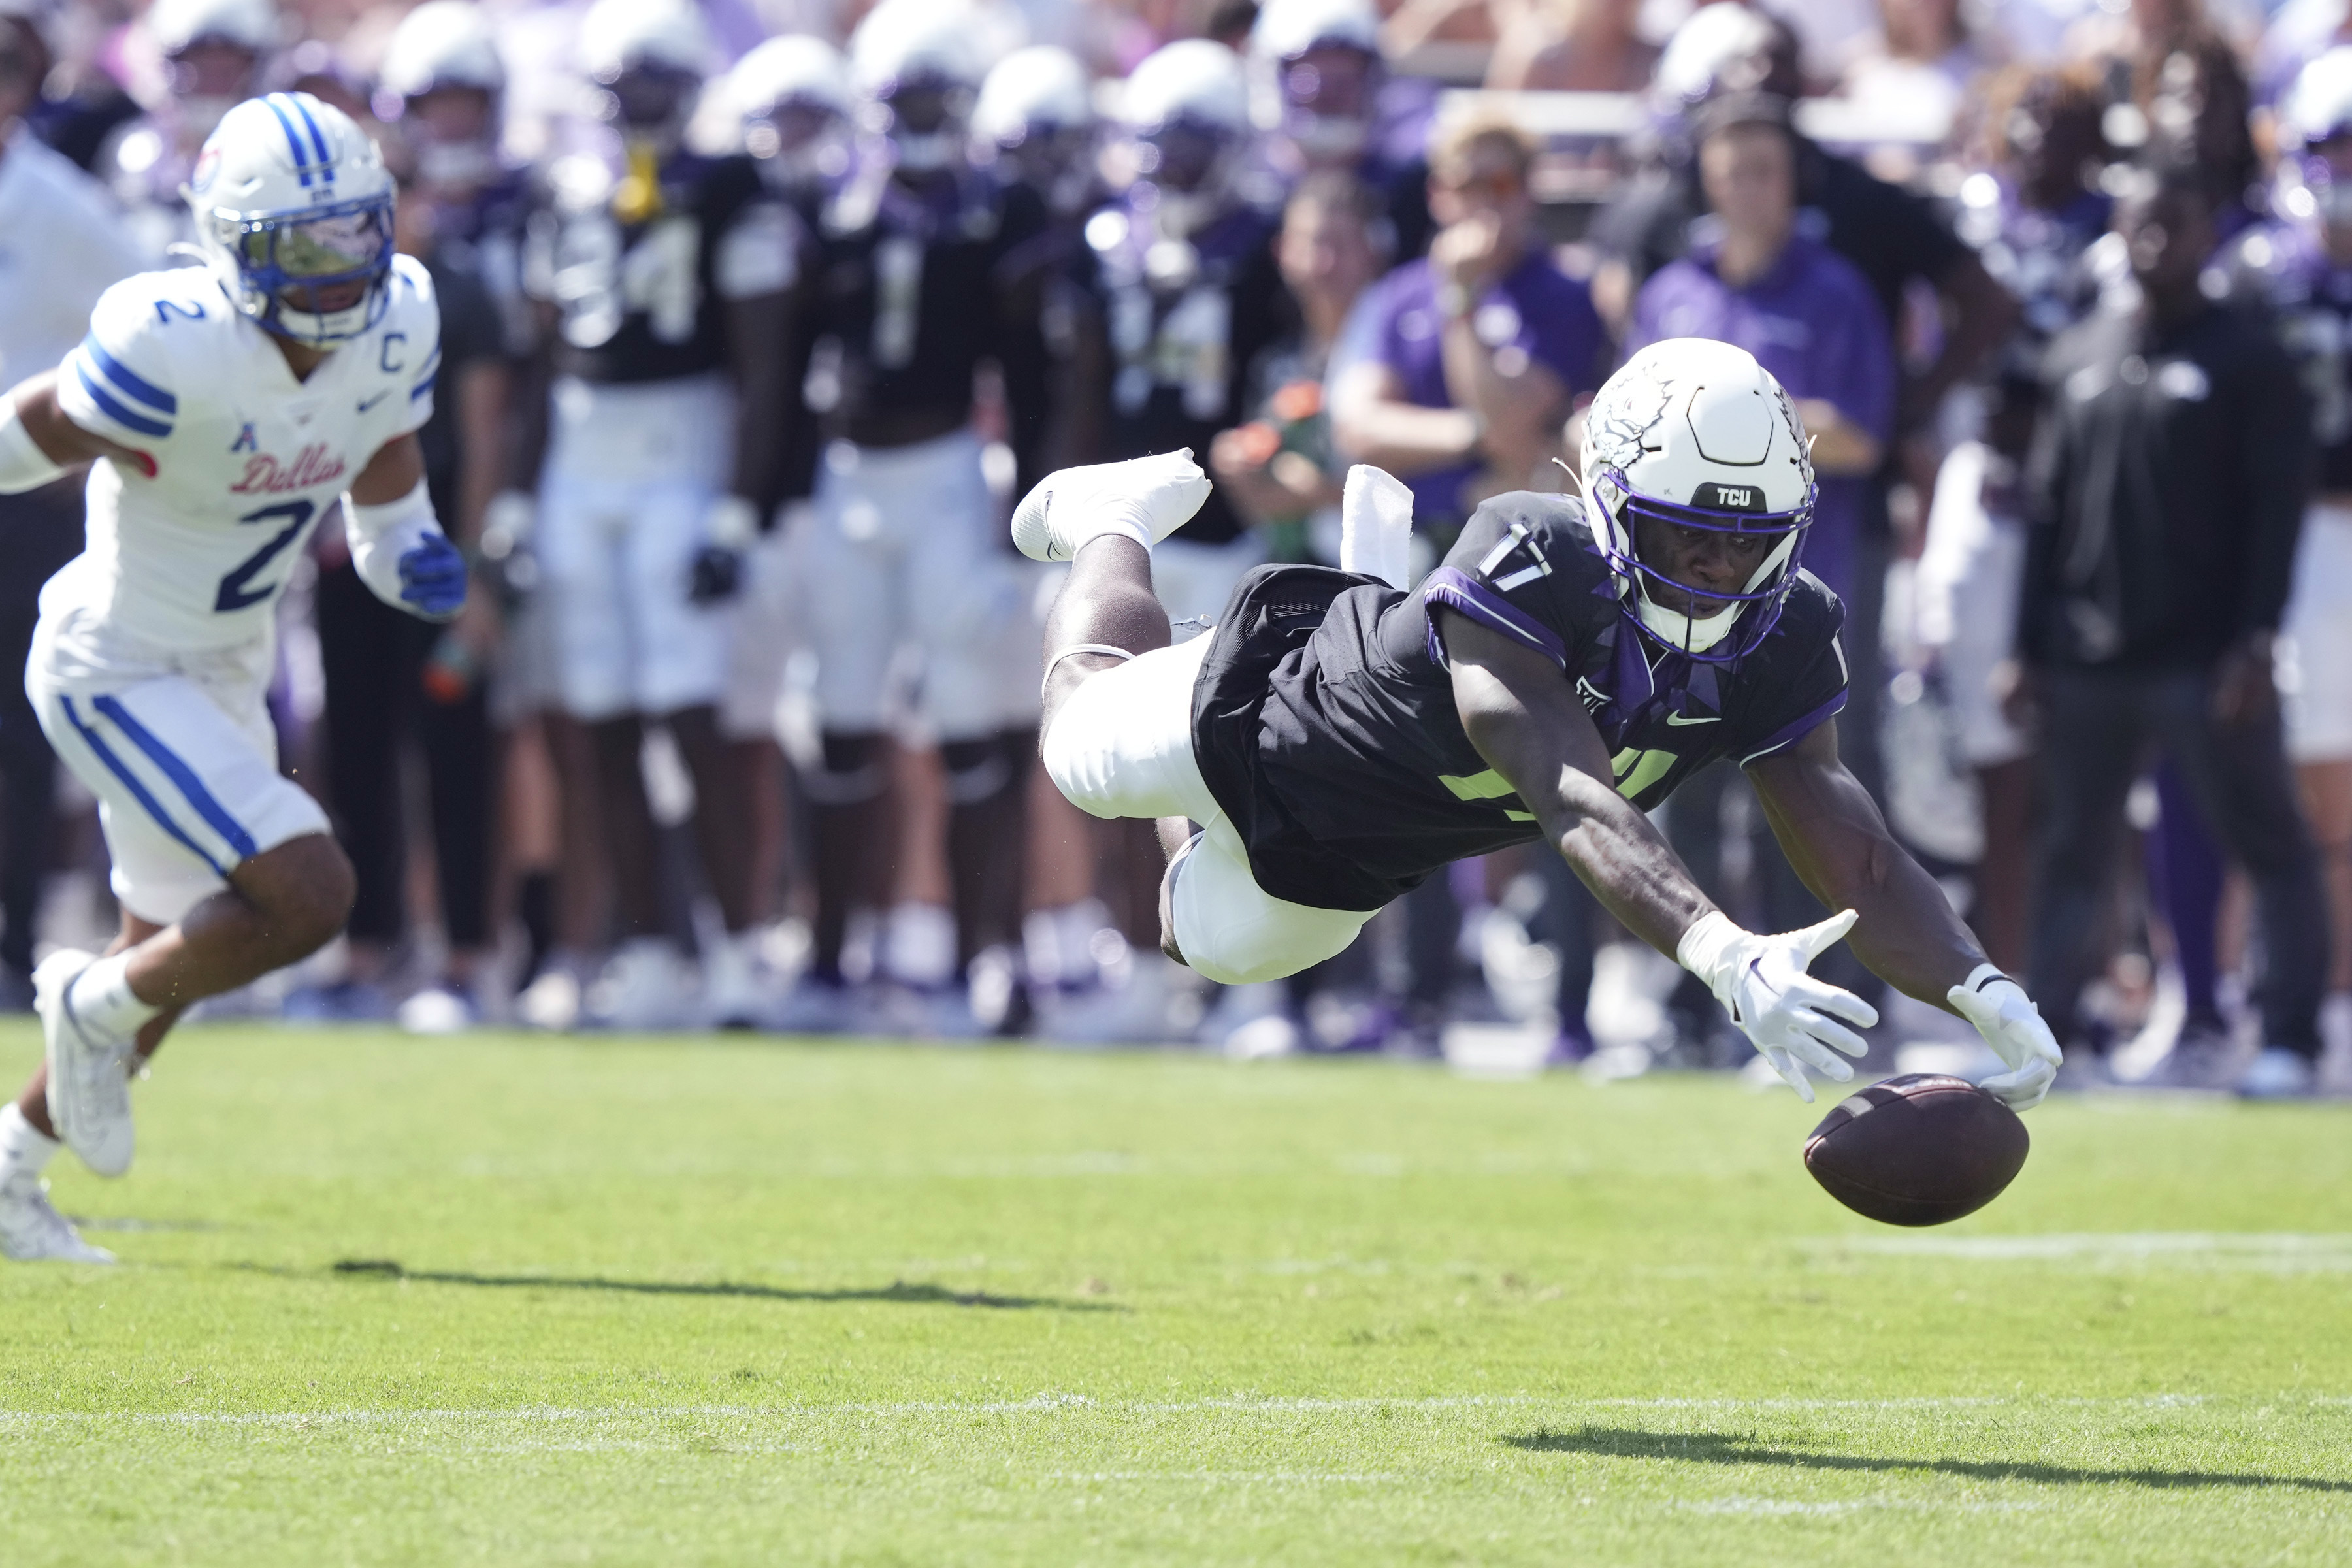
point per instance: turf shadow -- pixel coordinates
(897, 1290)
(1740, 1448)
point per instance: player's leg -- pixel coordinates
(856, 605)
(2093, 746)
(1106, 603)
(228, 866)
(2239, 778)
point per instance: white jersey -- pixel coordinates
(246, 458)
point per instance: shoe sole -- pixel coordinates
(55, 976)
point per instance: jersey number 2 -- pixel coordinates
(234, 592)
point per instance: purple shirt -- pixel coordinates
(1811, 320)
(1536, 313)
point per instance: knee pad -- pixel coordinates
(976, 770)
(853, 772)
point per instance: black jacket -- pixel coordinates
(2165, 491)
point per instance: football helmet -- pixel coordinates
(792, 96)
(1694, 434)
(918, 65)
(446, 47)
(1316, 71)
(650, 58)
(1187, 107)
(2318, 114)
(1036, 115)
(293, 214)
(212, 51)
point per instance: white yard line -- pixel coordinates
(1080, 1405)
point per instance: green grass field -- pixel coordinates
(503, 1299)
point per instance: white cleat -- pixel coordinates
(33, 1232)
(734, 993)
(90, 1075)
(2278, 1073)
(1156, 495)
(641, 989)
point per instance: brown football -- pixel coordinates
(1921, 1149)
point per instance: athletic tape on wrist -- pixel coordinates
(23, 465)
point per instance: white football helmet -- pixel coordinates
(1187, 107)
(1036, 115)
(293, 212)
(650, 56)
(1324, 104)
(918, 64)
(1694, 433)
(792, 96)
(443, 42)
(203, 84)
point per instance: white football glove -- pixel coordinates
(2011, 1024)
(1142, 498)
(1790, 1017)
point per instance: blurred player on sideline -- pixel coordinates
(213, 53)
(1341, 739)
(916, 298)
(667, 275)
(226, 409)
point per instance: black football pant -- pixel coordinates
(374, 657)
(2099, 730)
(39, 532)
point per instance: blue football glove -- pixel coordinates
(432, 578)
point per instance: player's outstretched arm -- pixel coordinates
(397, 545)
(1907, 934)
(1526, 722)
(38, 443)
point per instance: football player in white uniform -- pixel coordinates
(225, 409)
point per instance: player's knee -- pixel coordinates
(304, 889)
(855, 770)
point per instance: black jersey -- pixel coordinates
(1185, 320)
(640, 269)
(920, 284)
(1324, 719)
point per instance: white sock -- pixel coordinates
(1118, 521)
(23, 1150)
(102, 1000)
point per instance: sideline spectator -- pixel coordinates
(2167, 497)
(1575, 46)
(391, 678)
(61, 246)
(1478, 348)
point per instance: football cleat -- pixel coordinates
(640, 988)
(2279, 1074)
(446, 1007)
(31, 1231)
(1138, 498)
(89, 1076)
(733, 994)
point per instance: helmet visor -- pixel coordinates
(1182, 154)
(333, 246)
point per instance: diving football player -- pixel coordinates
(1573, 659)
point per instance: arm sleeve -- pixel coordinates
(1518, 569)
(119, 382)
(2275, 481)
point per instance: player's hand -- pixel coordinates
(1791, 1018)
(730, 529)
(717, 574)
(432, 577)
(1151, 497)
(2011, 1024)
(507, 560)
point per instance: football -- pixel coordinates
(1921, 1149)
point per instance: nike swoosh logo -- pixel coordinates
(1682, 718)
(372, 401)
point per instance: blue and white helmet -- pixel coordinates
(293, 210)
(1694, 434)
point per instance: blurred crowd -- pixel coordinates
(759, 314)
